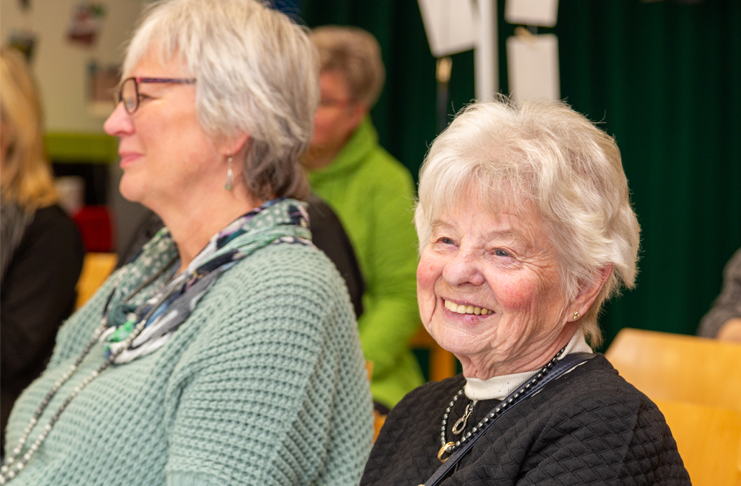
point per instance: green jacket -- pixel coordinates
(373, 195)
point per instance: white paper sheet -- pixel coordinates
(531, 12)
(532, 62)
(449, 25)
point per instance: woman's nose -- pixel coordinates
(464, 269)
(119, 122)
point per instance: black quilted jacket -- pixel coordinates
(587, 427)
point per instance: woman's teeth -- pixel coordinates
(467, 309)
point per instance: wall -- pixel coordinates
(61, 67)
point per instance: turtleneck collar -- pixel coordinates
(499, 387)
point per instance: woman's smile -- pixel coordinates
(466, 308)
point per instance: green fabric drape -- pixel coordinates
(664, 78)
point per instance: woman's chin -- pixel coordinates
(130, 190)
(456, 341)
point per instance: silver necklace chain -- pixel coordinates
(15, 462)
(460, 425)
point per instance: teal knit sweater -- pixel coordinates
(263, 384)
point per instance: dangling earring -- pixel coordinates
(576, 315)
(229, 176)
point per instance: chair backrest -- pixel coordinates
(95, 269)
(442, 363)
(709, 441)
(378, 419)
(679, 368)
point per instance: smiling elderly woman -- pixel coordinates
(227, 352)
(525, 228)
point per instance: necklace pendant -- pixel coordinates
(444, 450)
(460, 424)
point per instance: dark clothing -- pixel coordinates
(587, 427)
(327, 234)
(38, 293)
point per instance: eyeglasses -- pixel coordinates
(128, 92)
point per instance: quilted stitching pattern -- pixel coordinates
(588, 427)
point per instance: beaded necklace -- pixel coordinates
(15, 463)
(450, 447)
(289, 223)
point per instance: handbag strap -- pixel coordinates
(564, 365)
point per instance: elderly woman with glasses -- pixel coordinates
(227, 352)
(525, 229)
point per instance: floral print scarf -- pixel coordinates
(175, 297)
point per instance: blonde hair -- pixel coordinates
(540, 156)
(356, 55)
(256, 72)
(26, 177)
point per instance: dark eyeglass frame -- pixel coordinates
(118, 94)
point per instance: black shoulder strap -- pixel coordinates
(564, 365)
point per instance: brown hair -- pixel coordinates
(355, 54)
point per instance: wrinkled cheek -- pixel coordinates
(426, 298)
(517, 296)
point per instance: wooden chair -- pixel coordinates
(708, 440)
(95, 269)
(443, 363)
(679, 368)
(378, 419)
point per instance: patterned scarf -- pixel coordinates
(277, 221)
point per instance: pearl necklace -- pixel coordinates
(15, 463)
(450, 447)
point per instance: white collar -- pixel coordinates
(499, 387)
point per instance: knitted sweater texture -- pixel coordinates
(263, 384)
(373, 195)
(588, 427)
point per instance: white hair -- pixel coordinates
(540, 156)
(256, 72)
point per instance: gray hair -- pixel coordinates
(544, 156)
(356, 55)
(256, 73)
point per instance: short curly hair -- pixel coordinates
(545, 156)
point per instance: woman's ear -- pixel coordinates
(589, 291)
(235, 144)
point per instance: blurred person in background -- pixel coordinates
(41, 251)
(723, 320)
(373, 195)
(227, 352)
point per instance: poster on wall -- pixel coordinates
(24, 41)
(85, 23)
(102, 83)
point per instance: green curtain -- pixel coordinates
(663, 77)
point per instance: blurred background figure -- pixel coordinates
(227, 351)
(372, 193)
(724, 318)
(40, 248)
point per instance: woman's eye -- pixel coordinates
(501, 253)
(446, 241)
